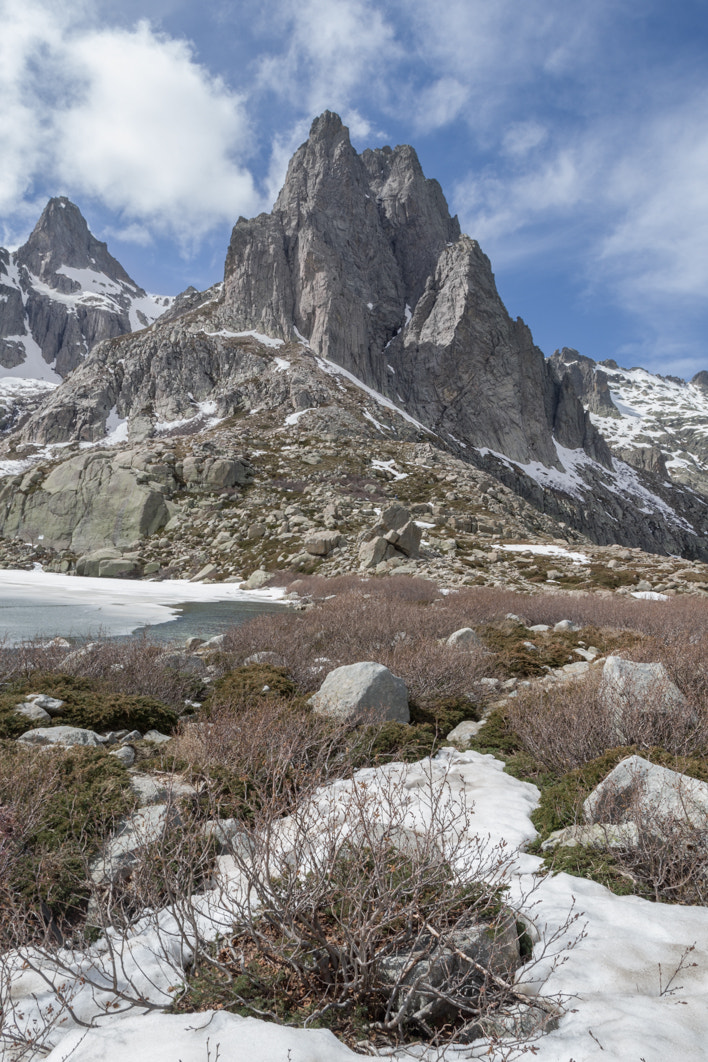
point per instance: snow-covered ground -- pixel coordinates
(621, 1006)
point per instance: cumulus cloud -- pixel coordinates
(127, 116)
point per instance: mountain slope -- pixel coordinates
(61, 293)
(658, 423)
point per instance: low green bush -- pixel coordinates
(87, 705)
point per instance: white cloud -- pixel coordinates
(334, 50)
(127, 116)
(522, 137)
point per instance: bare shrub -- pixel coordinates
(135, 667)
(564, 725)
(395, 624)
(263, 748)
(355, 916)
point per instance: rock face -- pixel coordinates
(361, 256)
(363, 692)
(62, 292)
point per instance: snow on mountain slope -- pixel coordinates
(660, 411)
(656, 423)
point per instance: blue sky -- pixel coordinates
(570, 137)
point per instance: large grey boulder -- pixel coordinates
(32, 712)
(52, 705)
(321, 543)
(66, 736)
(363, 692)
(650, 796)
(630, 690)
(464, 638)
(395, 534)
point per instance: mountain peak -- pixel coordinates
(327, 126)
(62, 238)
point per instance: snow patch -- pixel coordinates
(336, 370)
(543, 550)
(293, 418)
(389, 466)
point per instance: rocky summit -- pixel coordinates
(62, 293)
(355, 357)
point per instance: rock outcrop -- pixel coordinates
(102, 498)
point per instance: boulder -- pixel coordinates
(154, 737)
(451, 965)
(159, 789)
(118, 568)
(565, 625)
(123, 852)
(600, 835)
(465, 638)
(629, 689)
(256, 580)
(32, 712)
(363, 692)
(641, 792)
(65, 736)
(52, 705)
(322, 543)
(465, 731)
(375, 551)
(125, 755)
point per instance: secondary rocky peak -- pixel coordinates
(701, 380)
(62, 292)
(589, 381)
(62, 239)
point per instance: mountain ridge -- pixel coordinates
(359, 277)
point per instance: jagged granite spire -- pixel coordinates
(361, 257)
(61, 238)
(328, 261)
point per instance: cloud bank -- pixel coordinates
(127, 117)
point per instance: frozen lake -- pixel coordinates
(43, 605)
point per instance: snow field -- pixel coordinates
(613, 976)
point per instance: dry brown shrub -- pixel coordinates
(395, 624)
(262, 746)
(684, 654)
(565, 725)
(134, 666)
